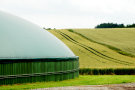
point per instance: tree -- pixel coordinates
(131, 26)
(47, 28)
(110, 25)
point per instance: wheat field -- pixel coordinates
(123, 39)
(92, 54)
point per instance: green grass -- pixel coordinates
(92, 54)
(82, 80)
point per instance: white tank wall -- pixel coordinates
(22, 39)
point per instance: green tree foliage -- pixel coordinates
(47, 28)
(131, 26)
(115, 25)
(110, 25)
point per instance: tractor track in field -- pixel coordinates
(93, 51)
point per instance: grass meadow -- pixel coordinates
(82, 80)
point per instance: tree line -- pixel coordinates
(114, 25)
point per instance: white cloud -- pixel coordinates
(71, 13)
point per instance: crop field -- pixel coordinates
(118, 38)
(93, 54)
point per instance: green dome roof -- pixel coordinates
(20, 39)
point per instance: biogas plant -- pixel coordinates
(29, 53)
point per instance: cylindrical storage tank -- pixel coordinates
(31, 54)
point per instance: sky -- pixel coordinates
(62, 14)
